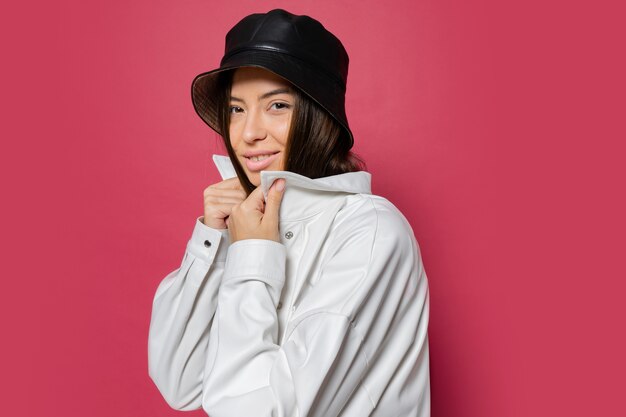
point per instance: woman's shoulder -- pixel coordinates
(376, 214)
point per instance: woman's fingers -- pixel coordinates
(223, 198)
(219, 200)
(256, 218)
(216, 214)
(255, 201)
(272, 205)
(224, 192)
(231, 183)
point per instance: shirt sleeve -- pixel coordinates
(325, 355)
(182, 313)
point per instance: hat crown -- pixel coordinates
(297, 48)
(299, 36)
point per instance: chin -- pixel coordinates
(254, 178)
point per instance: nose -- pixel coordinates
(254, 127)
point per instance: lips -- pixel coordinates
(258, 161)
(259, 158)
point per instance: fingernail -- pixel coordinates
(280, 185)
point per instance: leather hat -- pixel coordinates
(296, 48)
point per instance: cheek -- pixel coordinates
(233, 132)
(282, 133)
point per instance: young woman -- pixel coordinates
(300, 293)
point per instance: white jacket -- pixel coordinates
(331, 321)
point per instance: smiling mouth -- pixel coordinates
(256, 163)
(258, 158)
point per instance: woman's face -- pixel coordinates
(260, 108)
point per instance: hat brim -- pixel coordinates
(319, 86)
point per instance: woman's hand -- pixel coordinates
(255, 218)
(219, 200)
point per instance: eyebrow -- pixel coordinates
(285, 90)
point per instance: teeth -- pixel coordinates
(259, 157)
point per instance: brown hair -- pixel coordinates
(317, 145)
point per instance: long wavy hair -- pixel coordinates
(317, 145)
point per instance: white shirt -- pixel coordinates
(331, 321)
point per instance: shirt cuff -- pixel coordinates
(261, 258)
(208, 244)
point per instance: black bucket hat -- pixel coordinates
(296, 48)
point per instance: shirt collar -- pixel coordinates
(297, 202)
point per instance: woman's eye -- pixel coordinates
(279, 106)
(235, 109)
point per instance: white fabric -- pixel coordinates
(331, 321)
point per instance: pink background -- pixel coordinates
(493, 128)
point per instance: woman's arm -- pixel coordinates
(371, 293)
(185, 302)
(182, 314)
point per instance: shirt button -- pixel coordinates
(293, 309)
(207, 244)
(280, 305)
(289, 235)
